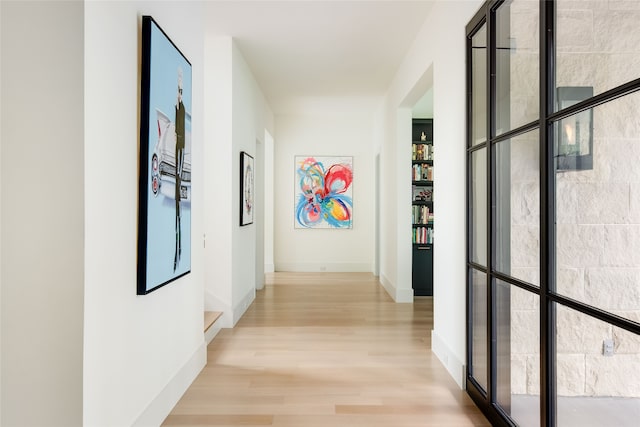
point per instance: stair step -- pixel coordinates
(210, 318)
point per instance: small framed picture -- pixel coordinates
(247, 175)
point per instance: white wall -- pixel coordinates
(219, 221)
(441, 45)
(269, 173)
(387, 150)
(259, 213)
(140, 352)
(251, 116)
(348, 134)
(1, 216)
(42, 213)
(237, 117)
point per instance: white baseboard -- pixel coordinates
(398, 295)
(388, 286)
(404, 296)
(310, 267)
(452, 364)
(269, 268)
(242, 306)
(165, 401)
(213, 303)
(211, 333)
(230, 315)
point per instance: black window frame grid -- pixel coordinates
(486, 399)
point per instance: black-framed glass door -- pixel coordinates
(553, 224)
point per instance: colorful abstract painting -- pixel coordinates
(323, 192)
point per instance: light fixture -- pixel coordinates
(574, 134)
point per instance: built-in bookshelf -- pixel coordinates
(422, 202)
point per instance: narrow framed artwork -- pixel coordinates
(247, 176)
(164, 215)
(323, 192)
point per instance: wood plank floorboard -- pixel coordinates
(326, 350)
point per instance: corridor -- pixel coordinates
(326, 349)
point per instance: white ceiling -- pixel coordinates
(305, 52)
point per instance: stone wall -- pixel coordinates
(524, 197)
(598, 210)
(525, 250)
(598, 214)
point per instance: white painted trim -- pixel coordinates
(325, 267)
(164, 402)
(388, 286)
(213, 303)
(398, 295)
(211, 333)
(243, 305)
(269, 268)
(404, 296)
(230, 316)
(455, 367)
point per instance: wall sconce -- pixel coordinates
(574, 135)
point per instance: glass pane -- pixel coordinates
(598, 43)
(478, 214)
(479, 352)
(518, 207)
(518, 353)
(517, 68)
(598, 212)
(598, 375)
(574, 144)
(479, 86)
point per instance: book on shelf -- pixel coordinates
(422, 172)
(422, 214)
(422, 152)
(423, 235)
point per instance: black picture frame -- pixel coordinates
(574, 142)
(164, 214)
(247, 189)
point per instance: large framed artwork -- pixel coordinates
(247, 176)
(164, 216)
(323, 192)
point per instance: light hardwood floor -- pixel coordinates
(326, 350)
